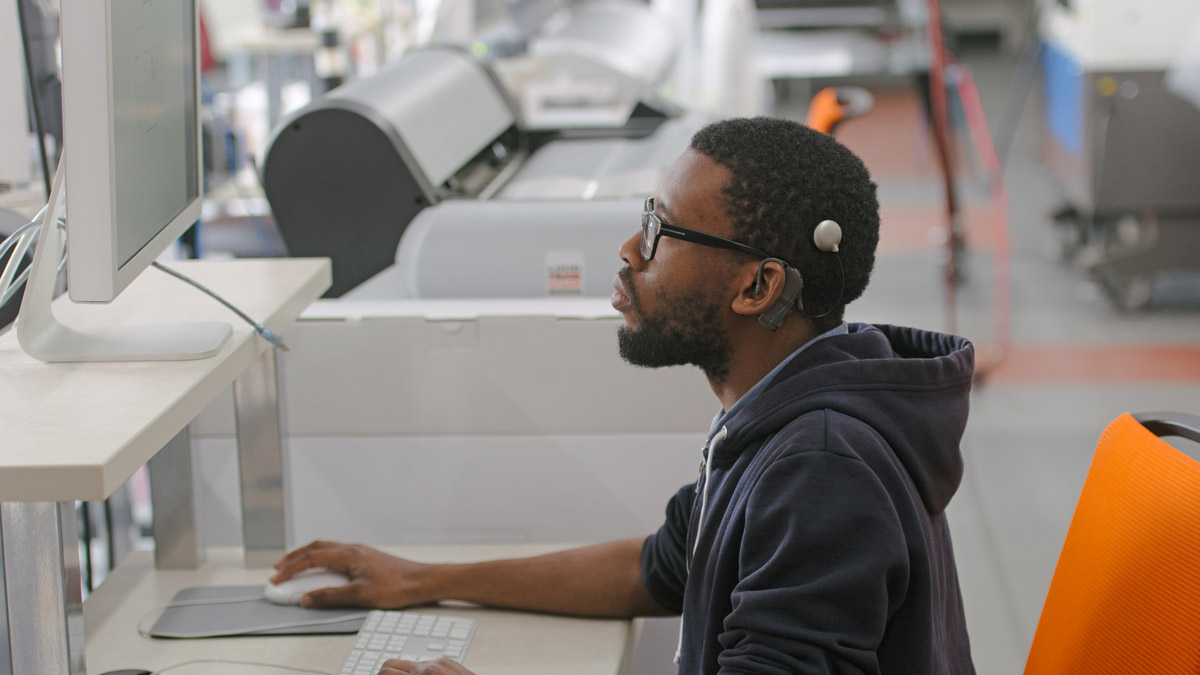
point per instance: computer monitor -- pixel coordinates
(14, 125)
(131, 156)
(132, 130)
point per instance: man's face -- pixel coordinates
(675, 305)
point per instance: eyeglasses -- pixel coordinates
(654, 227)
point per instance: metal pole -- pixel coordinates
(260, 460)
(173, 503)
(44, 602)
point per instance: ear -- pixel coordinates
(756, 295)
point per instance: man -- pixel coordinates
(814, 540)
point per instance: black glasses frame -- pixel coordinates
(654, 228)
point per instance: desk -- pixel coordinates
(77, 431)
(505, 643)
(25, 201)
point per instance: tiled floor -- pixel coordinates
(1071, 362)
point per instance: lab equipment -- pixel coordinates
(591, 64)
(527, 249)
(392, 634)
(347, 176)
(803, 39)
(809, 14)
(131, 91)
(1121, 145)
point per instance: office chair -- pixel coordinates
(1125, 597)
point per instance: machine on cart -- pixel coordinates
(1121, 141)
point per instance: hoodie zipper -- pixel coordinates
(706, 454)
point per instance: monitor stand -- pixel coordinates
(44, 338)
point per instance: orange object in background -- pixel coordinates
(1125, 597)
(824, 111)
(833, 105)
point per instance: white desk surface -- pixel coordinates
(505, 643)
(25, 200)
(77, 431)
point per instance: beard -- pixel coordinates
(686, 332)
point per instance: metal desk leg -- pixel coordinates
(274, 82)
(173, 503)
(41, 575)
(260, 459)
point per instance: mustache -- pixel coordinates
(626, 276)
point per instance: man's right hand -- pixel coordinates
(377, 580)
(604, 580)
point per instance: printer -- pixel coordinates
(428, 166)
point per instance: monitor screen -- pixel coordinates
(154, 118)
(131, 137)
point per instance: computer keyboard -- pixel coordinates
(393, 634)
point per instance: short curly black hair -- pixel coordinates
(785, 179)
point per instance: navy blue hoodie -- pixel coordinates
(824, 546)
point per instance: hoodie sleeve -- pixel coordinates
(664, 564)
(822, 563)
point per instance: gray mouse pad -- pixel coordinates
(252, 617)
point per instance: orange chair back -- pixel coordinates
(1125, 598)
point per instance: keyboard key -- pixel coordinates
(388, 634)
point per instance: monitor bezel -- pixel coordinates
(94, 269)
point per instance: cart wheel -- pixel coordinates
(1067, 227)
(1070, 239)
(1129, 292)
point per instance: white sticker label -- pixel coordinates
(564, 273)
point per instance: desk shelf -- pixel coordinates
(78, 431)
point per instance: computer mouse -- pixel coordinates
(289, 592)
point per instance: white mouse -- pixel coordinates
(289, 592)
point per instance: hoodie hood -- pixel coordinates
(910, 385)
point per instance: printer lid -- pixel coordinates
(445, 105)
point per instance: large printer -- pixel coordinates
(429, 162)
(1120, 140)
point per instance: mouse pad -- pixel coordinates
(254, 617)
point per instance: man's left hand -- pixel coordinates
(442, 666)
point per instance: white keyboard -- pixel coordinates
(391, 634)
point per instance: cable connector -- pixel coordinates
(271, 337)
(266, 333)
